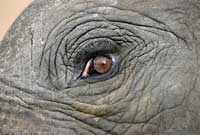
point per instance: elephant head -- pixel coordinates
(109, 67)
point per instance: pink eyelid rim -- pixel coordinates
(87, 68)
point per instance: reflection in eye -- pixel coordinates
(96, 66)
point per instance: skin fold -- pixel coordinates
(153, 87)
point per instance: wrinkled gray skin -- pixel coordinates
(153, 90)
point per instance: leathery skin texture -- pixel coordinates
(151, 88)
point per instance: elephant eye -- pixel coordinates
(96, 66)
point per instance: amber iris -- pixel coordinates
(102, 64)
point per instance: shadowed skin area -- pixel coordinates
(152, 87)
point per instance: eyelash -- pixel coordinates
(93, 49)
